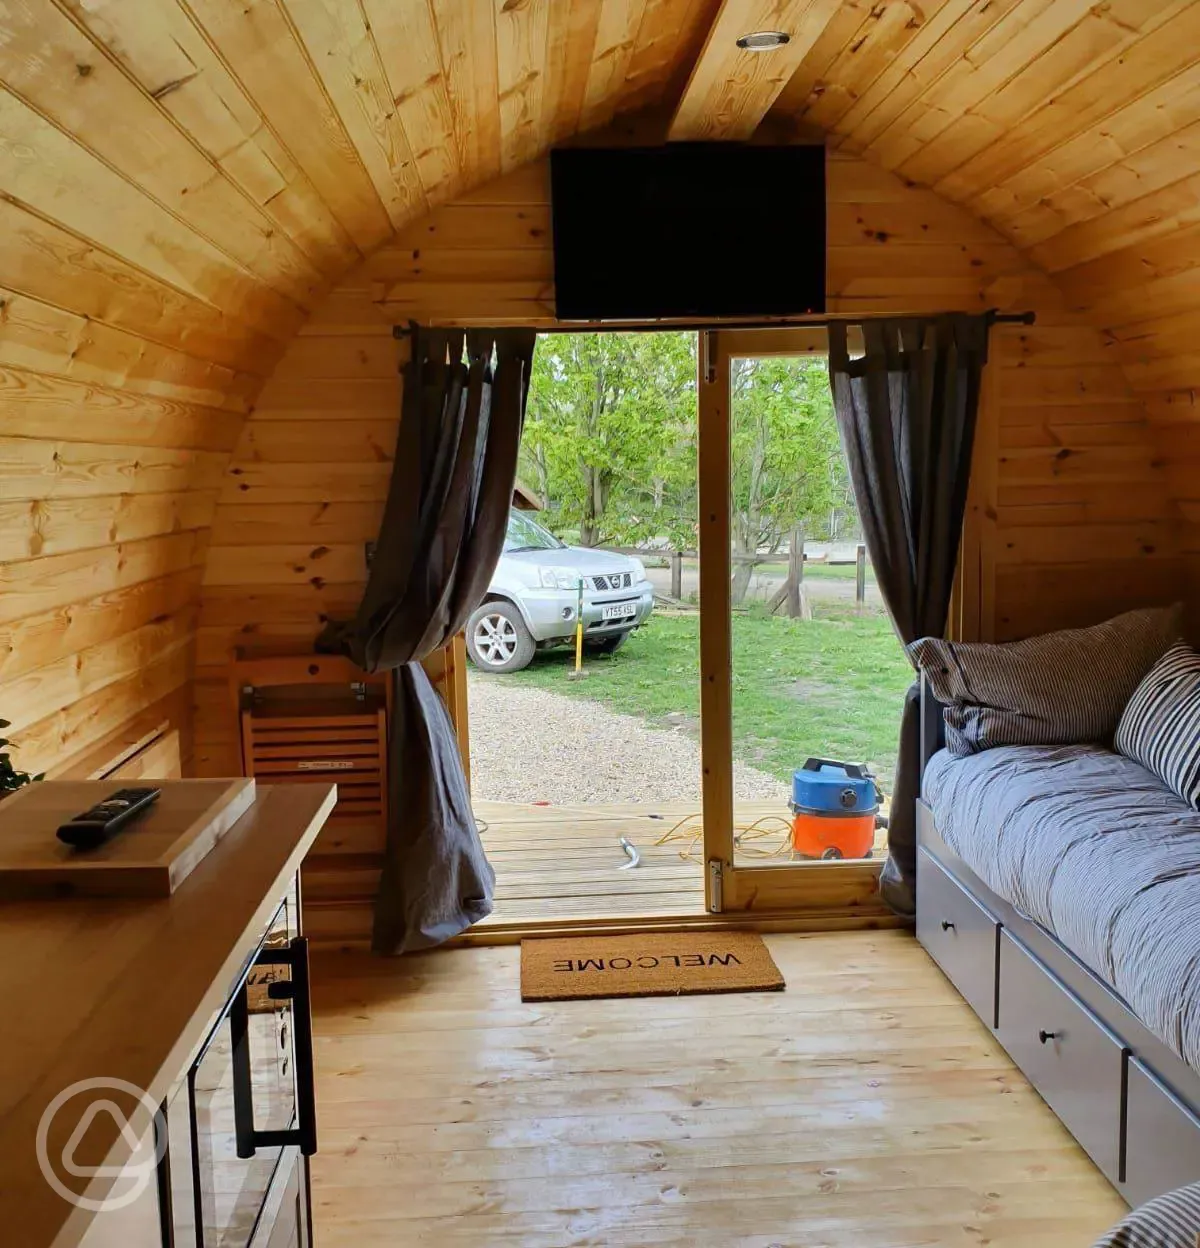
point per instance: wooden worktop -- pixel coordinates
(127, 990)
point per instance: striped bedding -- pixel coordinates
(1168, 1221)
(1097, 850)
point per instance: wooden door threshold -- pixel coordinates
(875, 917)
(860, 917)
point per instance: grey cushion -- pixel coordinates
(1160, 727)
(1168, 1221)
(1063, 688)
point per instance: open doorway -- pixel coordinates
(585, 689)
(583, 685)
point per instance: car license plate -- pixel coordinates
(619, 611)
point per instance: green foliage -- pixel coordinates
(610, 442)
(610, 436)
(10, 778)
(788, 469)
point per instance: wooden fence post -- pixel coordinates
(795, 581)
(860, 575)
(677, 574)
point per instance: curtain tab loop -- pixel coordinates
(839, 350)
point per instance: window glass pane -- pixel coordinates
(818, 673)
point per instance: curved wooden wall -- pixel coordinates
(1073, 129)
(181, 182)
(114, 441)
(1075, 517)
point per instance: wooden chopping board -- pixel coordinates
(149, 857)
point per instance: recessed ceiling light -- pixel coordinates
(763, 40)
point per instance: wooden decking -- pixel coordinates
(865, 1107)
(564, 862)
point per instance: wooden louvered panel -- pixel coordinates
(356, 783)
(294, 749)
(342, 752)
(367, 787)
(312, 719)
(302, 728)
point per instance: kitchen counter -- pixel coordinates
(127, 990)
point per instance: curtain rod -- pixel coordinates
(583, 327)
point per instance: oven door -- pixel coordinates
(252, 1091)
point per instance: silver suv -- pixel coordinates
(534, 593)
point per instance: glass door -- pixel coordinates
(803, 678)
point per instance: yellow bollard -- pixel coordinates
(577, 674)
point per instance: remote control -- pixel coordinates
(92, 828)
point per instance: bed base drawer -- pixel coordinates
(1065, 1051)
(959, 934)
(1162, 1138)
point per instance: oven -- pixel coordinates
(251, 1108)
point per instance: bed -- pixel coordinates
(1058, 888)
(1098, 852)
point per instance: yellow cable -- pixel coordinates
(745, 832)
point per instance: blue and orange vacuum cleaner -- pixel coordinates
(834, 806)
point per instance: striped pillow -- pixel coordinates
(1161, 725)
(1065, 688)
(1168, 1221)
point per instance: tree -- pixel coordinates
(610, 435)
(788, 470)
(610, 444)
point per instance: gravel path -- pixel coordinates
(529, 745)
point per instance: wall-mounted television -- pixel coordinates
(688, 230)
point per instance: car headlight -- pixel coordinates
(559, 578)
(639, 571)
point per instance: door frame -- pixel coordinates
(822, 896)
(832, 890)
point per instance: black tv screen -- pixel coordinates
(688, 230)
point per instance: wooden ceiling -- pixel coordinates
(195, 173)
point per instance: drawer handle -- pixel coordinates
(947, 926)
(1046, 1036)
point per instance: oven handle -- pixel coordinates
(297, 990)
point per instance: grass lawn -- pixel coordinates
(832, 687)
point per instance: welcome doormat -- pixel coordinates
(666, 964)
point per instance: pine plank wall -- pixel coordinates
(131, 547)
(1072, 517)
(1076, 517)
(113, 448)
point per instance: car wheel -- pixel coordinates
(608, 645)
(497, 639)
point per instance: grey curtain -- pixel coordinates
(907, 411)
(442, 533)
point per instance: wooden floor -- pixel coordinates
(865, 1107)
(564, 862)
